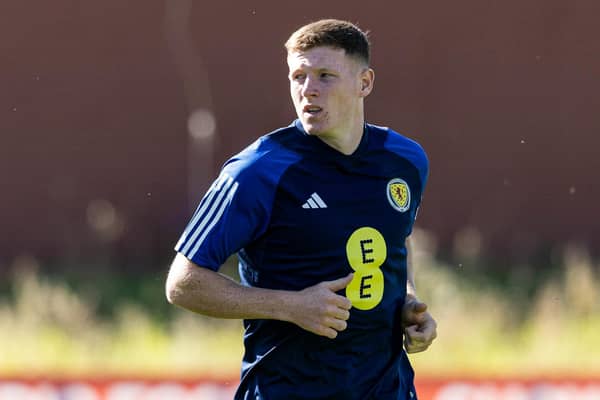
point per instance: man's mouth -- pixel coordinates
(312, 110)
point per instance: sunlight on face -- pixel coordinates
(327, 88)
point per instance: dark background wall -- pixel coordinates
(96, 162)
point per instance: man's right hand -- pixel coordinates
(317, 309)
(320, 310)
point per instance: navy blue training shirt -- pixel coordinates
(298, 212)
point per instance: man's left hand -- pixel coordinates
(420, 329)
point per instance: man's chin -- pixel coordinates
(311, 129)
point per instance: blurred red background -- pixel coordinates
(97, 161)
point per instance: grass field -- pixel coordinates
(49, 326)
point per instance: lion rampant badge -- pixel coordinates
(398, 194)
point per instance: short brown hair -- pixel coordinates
(332, 33)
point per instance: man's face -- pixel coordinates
(327, 88)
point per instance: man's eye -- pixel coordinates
(298, 77)
(325, 75)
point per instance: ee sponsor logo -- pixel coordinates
(366, 251)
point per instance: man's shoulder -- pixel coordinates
(268, 155)
(396, 141)
(400, 144)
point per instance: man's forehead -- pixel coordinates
(319, 57)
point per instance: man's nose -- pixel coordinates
(310, 88)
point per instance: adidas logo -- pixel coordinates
(314, 201)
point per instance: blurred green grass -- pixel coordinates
(521, 324)
(526, 323)
(108, 325)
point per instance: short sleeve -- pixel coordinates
(233, 212)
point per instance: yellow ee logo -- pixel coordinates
(366, 252)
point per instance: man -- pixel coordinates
(319, 212)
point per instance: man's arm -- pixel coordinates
(410, 275)
(420, 329)
(317, 309)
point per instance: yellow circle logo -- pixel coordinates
(366, 251)
(398, 194)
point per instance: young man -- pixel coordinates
(319, 213)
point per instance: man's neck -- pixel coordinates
(346, 142)
(345, 145)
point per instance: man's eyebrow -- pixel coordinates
(305, 67)
(299, 67)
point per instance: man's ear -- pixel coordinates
(367, 79)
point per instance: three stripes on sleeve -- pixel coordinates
(207, 214)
